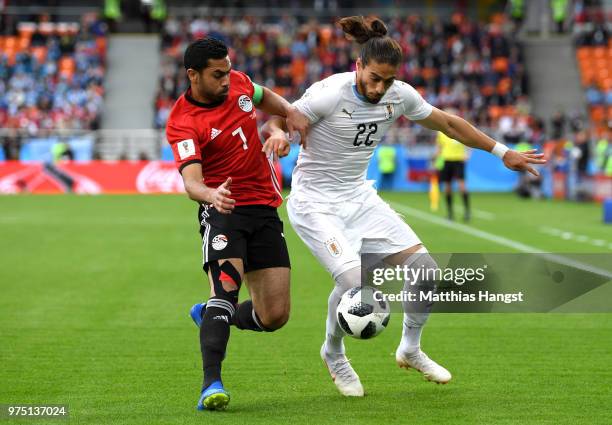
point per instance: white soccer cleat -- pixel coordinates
(342, 373)
(431, 370)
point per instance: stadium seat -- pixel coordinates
(2, 155)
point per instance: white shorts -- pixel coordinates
(338, 233)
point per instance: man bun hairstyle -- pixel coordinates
(371, 34)
(200, 51)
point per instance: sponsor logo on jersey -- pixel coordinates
(388, 111)
(186, 148)
(245, 103)
(214, 133)
(350, 114)
(333, 247)
(219, 242)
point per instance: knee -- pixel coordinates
(275, 318)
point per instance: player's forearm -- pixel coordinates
(198, 191)
(274, 125)
(464, 132)
(274, 104)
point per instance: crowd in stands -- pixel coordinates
(594, 57)
(52, 74)
(475, 68)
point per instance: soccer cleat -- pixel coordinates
(431, 370)
(214, 397)
(342, 373)
(197, 312)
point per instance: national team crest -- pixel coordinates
(333, 247)
(388, 111)
(245, 103)
(219, 242)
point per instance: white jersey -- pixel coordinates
(344, 131)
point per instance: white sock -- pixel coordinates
(411, 339)
(414, 322)
(334, 345)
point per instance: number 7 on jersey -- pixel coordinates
(244, 140)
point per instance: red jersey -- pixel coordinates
(225, 140)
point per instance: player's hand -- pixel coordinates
(278, 144)
(296, 121)
(519, 161)
(221, 200)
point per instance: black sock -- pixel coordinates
(466, 202)
(449, 204)
(214, 334)
(246, 318)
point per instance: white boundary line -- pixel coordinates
(500, 240)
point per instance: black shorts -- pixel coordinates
(452, 170)
(253, 233)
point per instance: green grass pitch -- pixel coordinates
(94, 302)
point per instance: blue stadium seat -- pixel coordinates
(2, 155)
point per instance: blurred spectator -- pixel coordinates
(516, 10)
(557, 122)
(583, 147)
(53, 78)
(559, 13)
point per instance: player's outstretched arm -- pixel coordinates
(274, 104)
(199, 192)
(459, 129)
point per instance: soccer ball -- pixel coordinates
(360, 315)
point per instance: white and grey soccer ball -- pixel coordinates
(361, 314)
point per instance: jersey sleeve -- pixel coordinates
(317, 102)
(415, 107)
(246, 80)
(184, 143)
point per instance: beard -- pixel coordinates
(370, 99)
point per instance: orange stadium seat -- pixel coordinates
(598, 113)
(583, 53)
(40, 53)
(495, 112)
(66, 67)
(24, 43)
(599, 52)
(26, 29)
(500, 65)
(101, 45)
(10, 42)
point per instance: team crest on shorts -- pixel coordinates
(333, 247)
(245, 103)
(219, 242)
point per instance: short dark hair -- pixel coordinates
(371, 34)
(200, 51)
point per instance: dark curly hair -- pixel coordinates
(200, 51)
